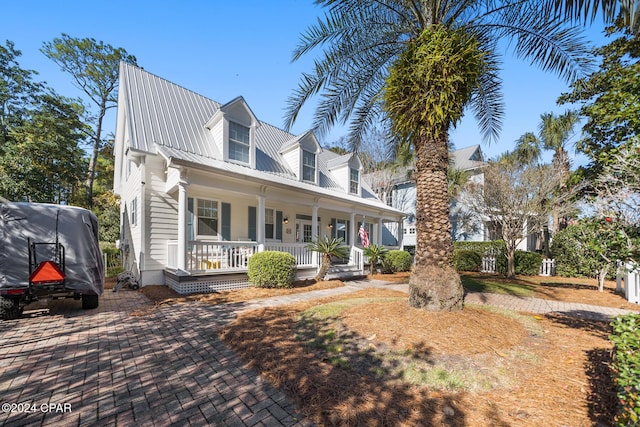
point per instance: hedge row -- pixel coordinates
(467, 256)
(626, 368)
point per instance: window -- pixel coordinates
(354, 182)
(341, 229)
(389, 198)
(238, 142)
(134, 211)
(269, 224)
(308, 166)
(207, 217)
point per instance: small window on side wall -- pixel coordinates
(134, 211)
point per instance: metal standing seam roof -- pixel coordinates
(165, 118)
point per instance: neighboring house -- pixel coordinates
(205, 185)
(397, 188)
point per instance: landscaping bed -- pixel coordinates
(369, 359)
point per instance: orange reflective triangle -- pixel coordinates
(47, 272)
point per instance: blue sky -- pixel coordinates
(223, 49)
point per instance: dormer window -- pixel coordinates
(308, 166)
(354, 181)
(239, 142)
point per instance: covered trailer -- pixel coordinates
(48, 252)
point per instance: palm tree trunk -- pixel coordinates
(434, 284)
(325, 265)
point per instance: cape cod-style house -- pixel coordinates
(205, 185)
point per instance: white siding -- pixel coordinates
(131, 234)
(162, 215)
(293, 159)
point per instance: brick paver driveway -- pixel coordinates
(69, 366)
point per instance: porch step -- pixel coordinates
(341, 272)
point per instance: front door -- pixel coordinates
(304, 231)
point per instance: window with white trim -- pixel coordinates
(308, 166)
(134, 211)
(238, 142)
(354, 181)
(207, 213)
(269, 224)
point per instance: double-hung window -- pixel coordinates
(354, 181)
(308, 166)
(207, 217)
(238, 142)
(269, 224)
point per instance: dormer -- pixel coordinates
(233, 128)
(301, 154)
(347, 171)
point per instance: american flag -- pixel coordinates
(364, 236)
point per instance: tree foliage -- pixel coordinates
(610, 99)
(94, 67)
(40, 155)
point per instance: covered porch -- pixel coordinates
(222, 224)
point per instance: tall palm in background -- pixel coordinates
(416, 65)
(555, 134)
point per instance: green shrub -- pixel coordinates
(528, 263)
(568, 250)
(272, 269)
(396, 261)
(626, 368)
(466, 260)
(494, 248)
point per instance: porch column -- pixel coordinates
(182, 226)
(314, 233)
(400, 233)
(260, 225)
(314, 223)
(352, 231)
(380, 228)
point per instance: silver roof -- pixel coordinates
(167, 119)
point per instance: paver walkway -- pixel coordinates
(109, 366)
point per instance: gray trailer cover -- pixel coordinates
(77, 231)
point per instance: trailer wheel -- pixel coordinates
(9, 308)
(89, 301)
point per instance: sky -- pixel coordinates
(223, 49)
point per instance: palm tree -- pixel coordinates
(610, 10)
(417, 65)
(375, 253)
(528, 150)
(555, 132)
(327, 247)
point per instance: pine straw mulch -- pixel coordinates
(515, 370)
(548, 370)
(579, 290)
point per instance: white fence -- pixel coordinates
(547, 268)
(488, 264)
(628, 278)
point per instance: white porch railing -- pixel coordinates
(356, 257)
(213, 256)
(304, 257)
